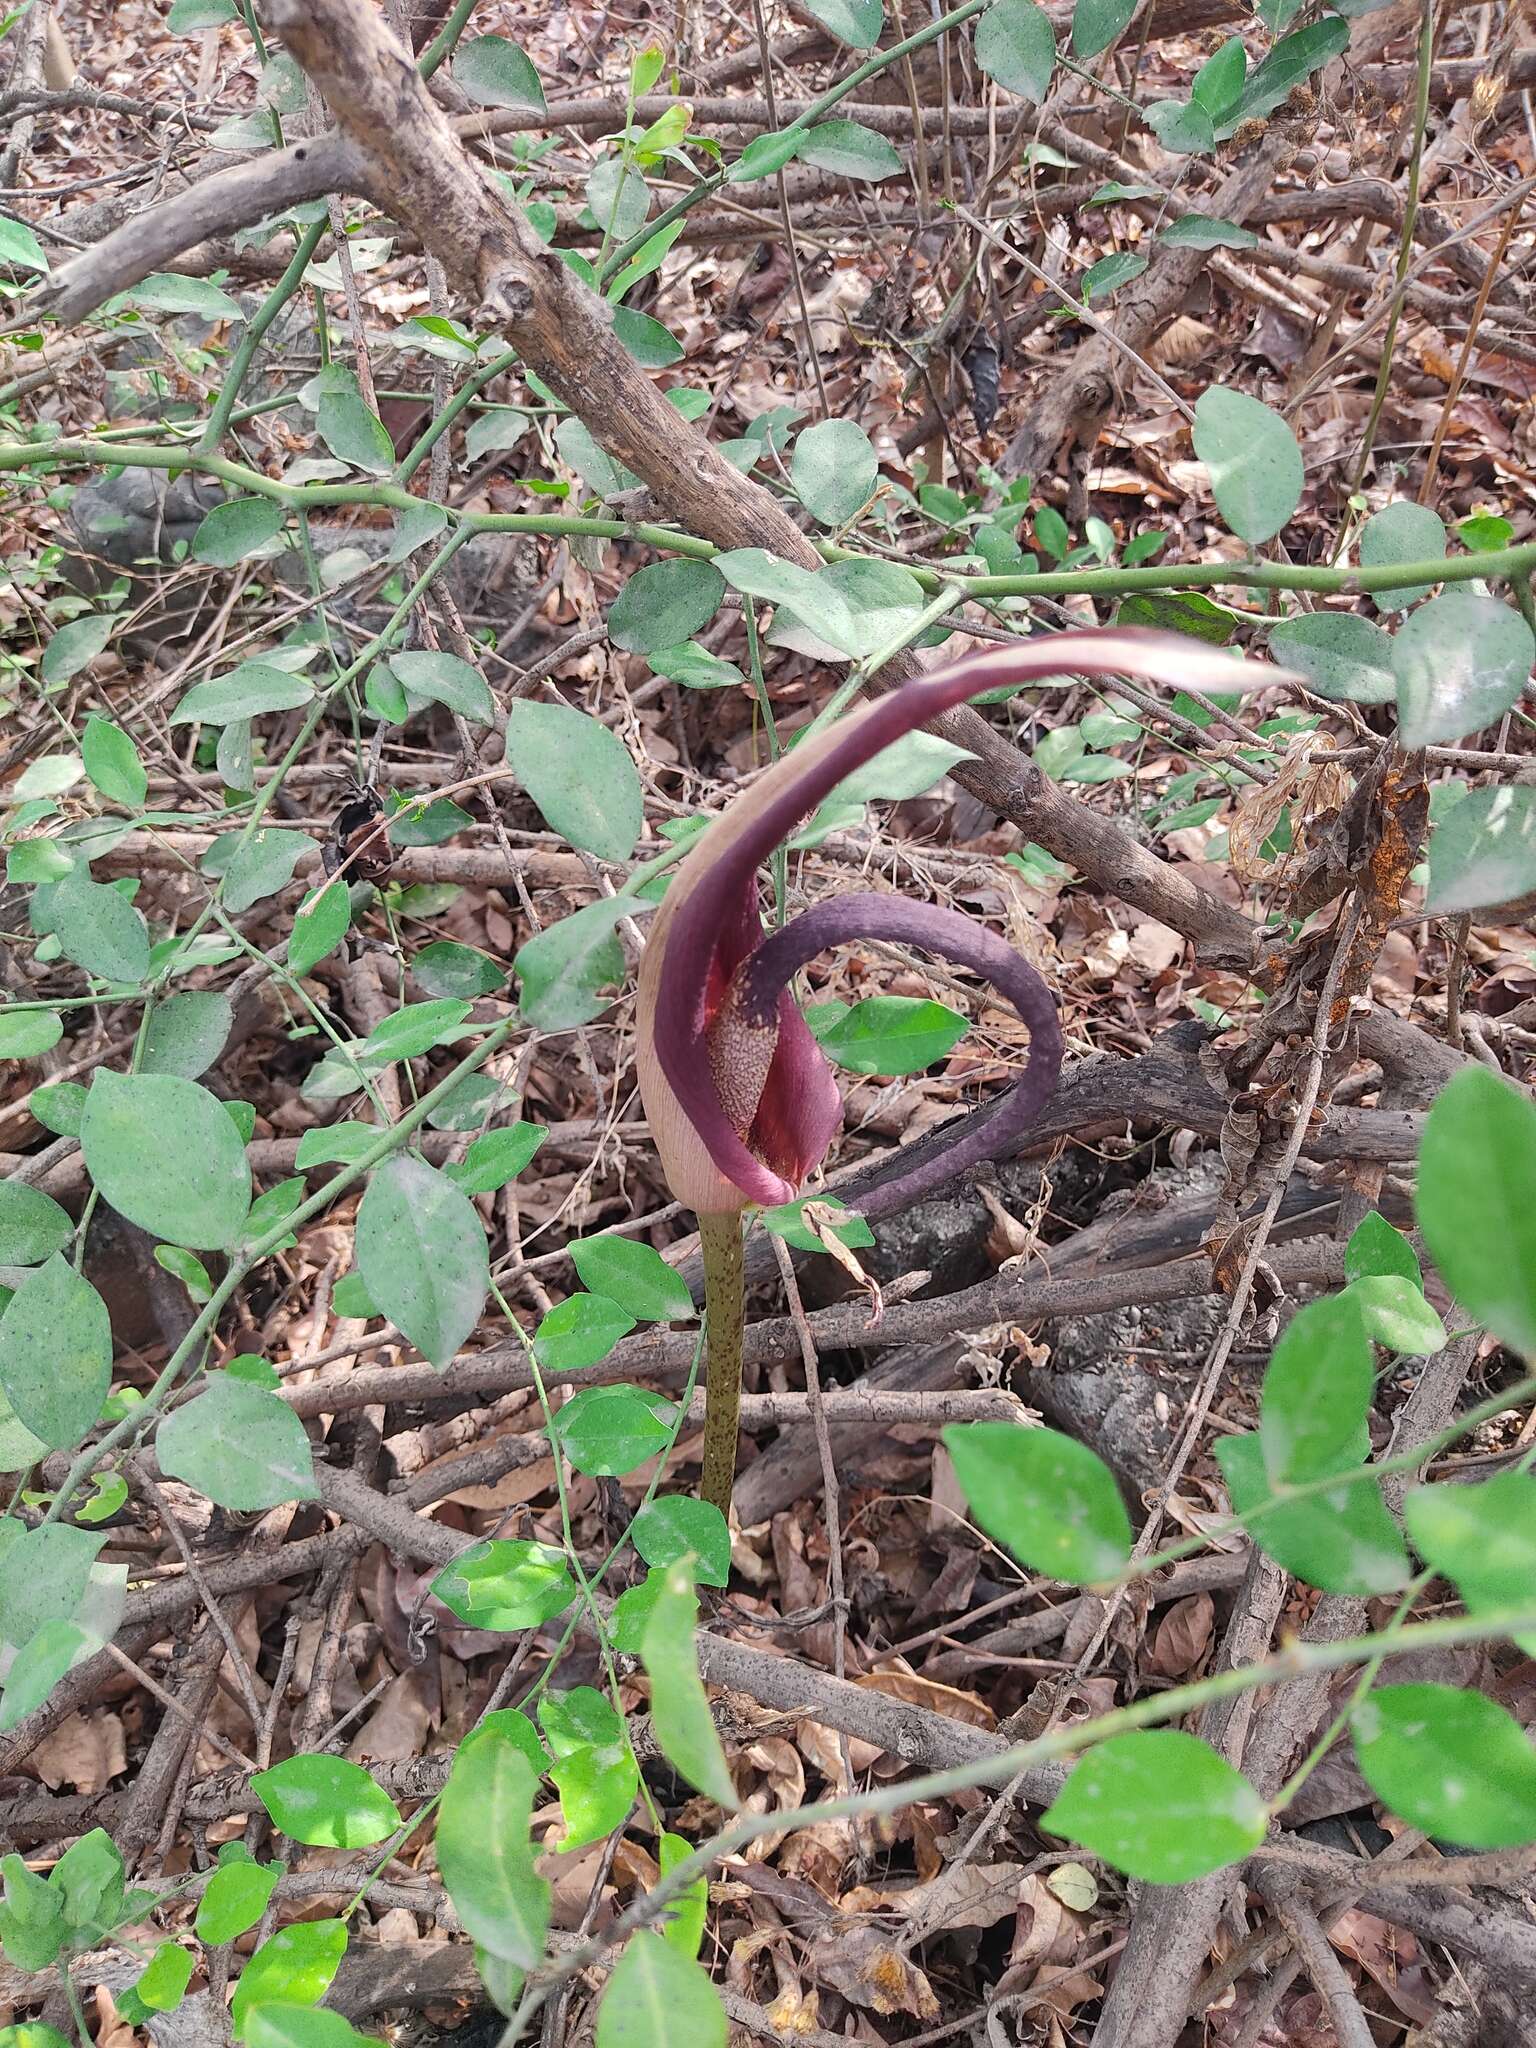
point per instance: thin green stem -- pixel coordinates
(255, 334)
(1514, 564)
(1340, 1721)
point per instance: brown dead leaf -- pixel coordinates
(84, 1752)
(1183, 1636)
(968, 1895)
(861, 1964)
(898, 1682)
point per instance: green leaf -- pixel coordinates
(850, 150)
(813, 598)
(186, 1033)
(1183, 127)
(31, 1920)
(24, 1034)
(563, 967)
(167, 292)
(1159, 1805)
(249, 691)
(257, 869)
(834, 471)
(335, 1144)
(579, 1331)
(635, 1276)
(90, 1876)
(855, 22)
(237, 529)
(1110, 272)
(1482, 1538)
(56, 1648)
(1204, 231)
(1219, 82)
(907, 768)
(327, 1802)
(1477, 1201)
(1401, 532)
(421, 1251)
(439, 678)
(163, 1983)
(594, 1768)
(484, 1852)
(687, 1911)
(658, 1995)
(1255, 464)
(294, 1967)
(239, 1444)
(447, 969)
(577, 447)
(32, 1225)
(495, 73)
(165, 1153)
(579, 774)
(422, 522)
(354, 433)
(98, 928)
(1451, 1763)
(680, 1717)
(414, 1029)
(496, 1158)
(764, 155)
(46, 1577)
(19, 247)
(1342, 1539)
(112, 763)
(506, 1585)
(788, 1222)
(187, 17)
(75, 645)
(1394, 1313)
(319, 926)
(889, 1034)
(1098, 23)
(608, 1431)
(1055, 1505)
(676, 1526)
(660, 605)
(56, 1353)
(275, 2025)
(1289, 64)
(235, 1899)
(653, 346)
(695, 667)
(1376, 1247)
(188, 1269)
(1016, 45)
(1483, 852)
(1317, 1393)
(1341, 656)
(1485, 532)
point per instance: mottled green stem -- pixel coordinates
(724, 1313)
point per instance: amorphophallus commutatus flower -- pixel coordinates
(741, 1101)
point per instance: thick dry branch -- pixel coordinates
(235, 197)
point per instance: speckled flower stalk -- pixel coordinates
(742, 1104)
